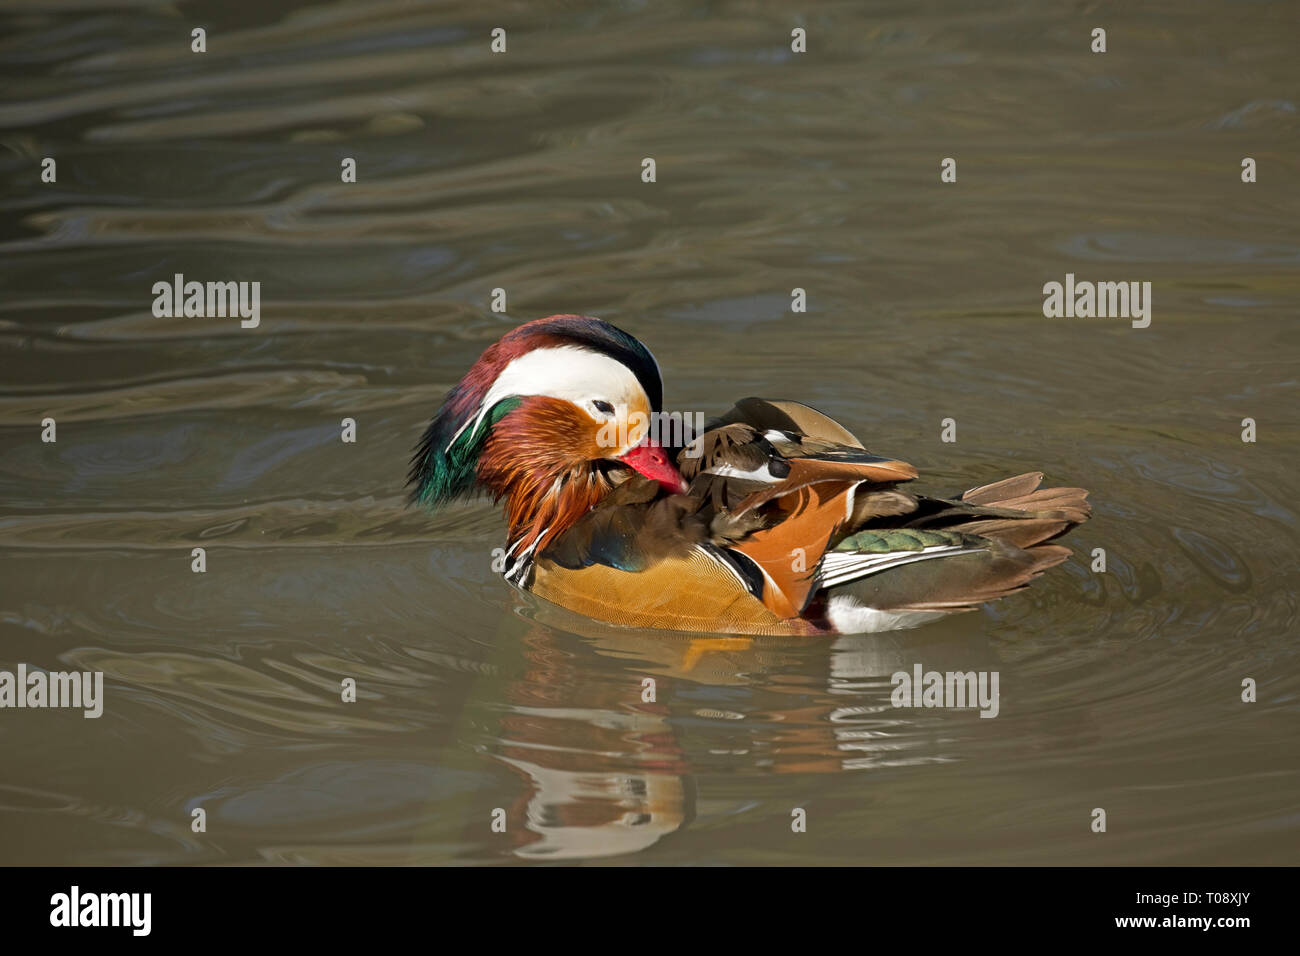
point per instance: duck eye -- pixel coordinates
(603, 406)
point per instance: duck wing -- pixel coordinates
(788, 476)
(834, 518)
(792, 526)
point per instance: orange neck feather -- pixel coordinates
(539, 458)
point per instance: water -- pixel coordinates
(1119, 690)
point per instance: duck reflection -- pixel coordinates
(611, 729)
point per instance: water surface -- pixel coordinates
(1119, 690)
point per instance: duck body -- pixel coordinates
(774, 519)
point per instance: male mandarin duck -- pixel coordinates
(774, 520)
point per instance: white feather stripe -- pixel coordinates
(756, 474)
(841, 567)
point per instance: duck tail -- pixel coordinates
(949, 554)
(1016, 511)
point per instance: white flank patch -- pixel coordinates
(567, 372)
(848, 616)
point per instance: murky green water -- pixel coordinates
(522, 171)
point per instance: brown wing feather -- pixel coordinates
(807, 471)
(764, 414)
(782, 496)
(957, 583)
(1044, 513)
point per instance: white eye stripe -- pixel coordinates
(566, 371)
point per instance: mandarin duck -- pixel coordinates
(774, 519)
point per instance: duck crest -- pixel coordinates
(445, 464)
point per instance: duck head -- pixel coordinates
(550, 418)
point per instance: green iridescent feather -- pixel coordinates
(440, 473)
